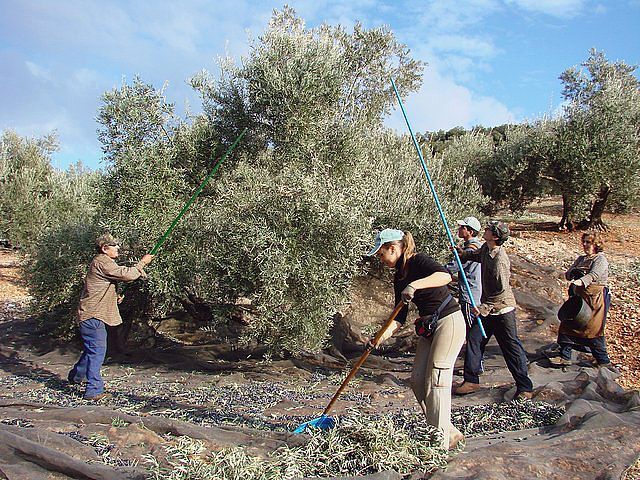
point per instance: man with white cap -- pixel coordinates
(468, 230)
(498, 308)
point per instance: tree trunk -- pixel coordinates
(597, 209)
(134, 308)
(565, 222)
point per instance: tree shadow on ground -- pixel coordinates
(534, 227)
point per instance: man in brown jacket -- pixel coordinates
(498, 310)
(99, 306)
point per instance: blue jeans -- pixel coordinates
(94, 342)
(505, 330)
(473, 366)
(596, 346)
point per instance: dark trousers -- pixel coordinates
(94, 343)
(595, 346)
(473, 353)
(505, 330)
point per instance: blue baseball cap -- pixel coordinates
(385, 236)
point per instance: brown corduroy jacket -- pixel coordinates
(99, 298)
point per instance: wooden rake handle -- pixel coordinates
(364, 356)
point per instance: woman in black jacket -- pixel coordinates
(422, 280)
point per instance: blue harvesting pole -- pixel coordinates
(461, 273)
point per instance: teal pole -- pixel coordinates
(195, 195)
(442, 217)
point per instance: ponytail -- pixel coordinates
(408, 246)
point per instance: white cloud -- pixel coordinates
(38, 71)
(601, 9)
(442, 104)
(470, 46)
(447, 16)
(87, 78)
(556, 8)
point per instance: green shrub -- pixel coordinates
(56, 270)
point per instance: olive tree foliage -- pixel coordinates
(45, 210)
(134, 198)
(599, 157)
(306, 94)
(396, 194)
(289, 226)
(515, 172)
(289, 243)
(34, 196)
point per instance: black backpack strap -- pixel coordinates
(444, 303)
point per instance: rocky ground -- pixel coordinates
(180, 410)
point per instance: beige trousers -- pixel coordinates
(432, 372)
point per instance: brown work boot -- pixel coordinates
(522, 396)
(559, 362)
(98, 397)
(466, 388)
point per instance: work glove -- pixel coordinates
(408, 293)
(383, 338)
(577, 283)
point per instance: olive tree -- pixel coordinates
(35, 196)
(395, 192)
(599, 157)
(292, 227)
(516, 171)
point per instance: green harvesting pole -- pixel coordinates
(195, 195)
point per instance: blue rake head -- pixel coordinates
(323, 422)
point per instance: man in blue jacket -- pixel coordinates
(468, 230)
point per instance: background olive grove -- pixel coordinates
(283, 226)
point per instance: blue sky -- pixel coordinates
(489, 61)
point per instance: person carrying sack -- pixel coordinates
(420, 279)
(588, 279)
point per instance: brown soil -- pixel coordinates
(12, 285)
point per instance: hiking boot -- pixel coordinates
(609, 366)
(466, 388)
(98, 397)
(522, 396)
(560, 362)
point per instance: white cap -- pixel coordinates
(471, 222)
